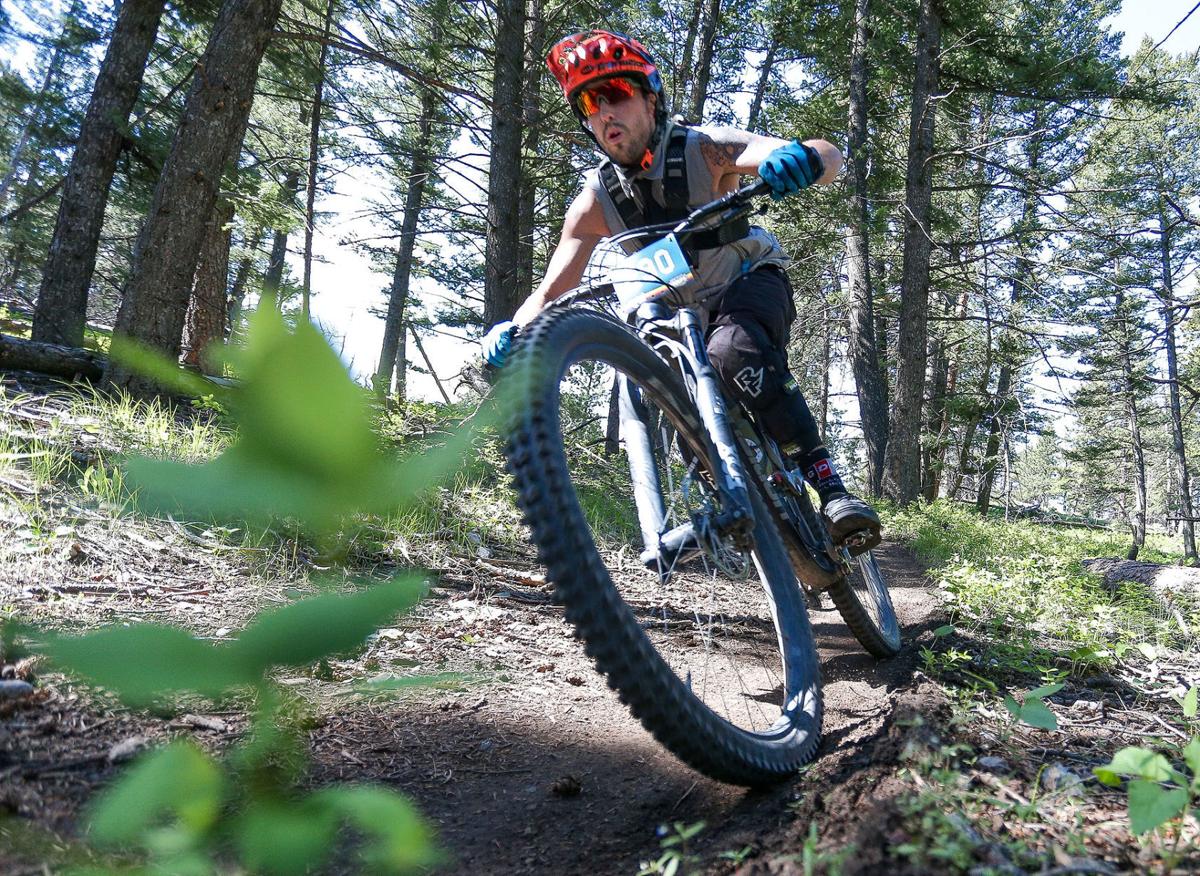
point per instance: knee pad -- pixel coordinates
(756, 374)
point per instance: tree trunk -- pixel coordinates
(18, 354)
(1023, 245)
(1170, 319)
(531, 122)
(393, 330)
(764, 78)
(987, 470)
(314, 151)
(683, 82)
(277, 260)
(940, 372)
(902, 477)
(237, 290)
(217, 108)
(708, 42)
(67, 275)
(205, 323)
(500, 292)
(870, 379)
(1131, 394)
(938, 460)
(54, 66)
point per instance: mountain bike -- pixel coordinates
(722, 672)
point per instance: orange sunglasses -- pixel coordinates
(612, 91)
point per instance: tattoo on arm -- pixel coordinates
(719, 155)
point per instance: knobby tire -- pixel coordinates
(612, 634)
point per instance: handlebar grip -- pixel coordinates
(761, 187)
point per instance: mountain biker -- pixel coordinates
(656, 169)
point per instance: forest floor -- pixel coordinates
(532, 765)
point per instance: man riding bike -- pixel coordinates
(656, 170)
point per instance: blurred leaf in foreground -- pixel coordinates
(143, 662)
(305, 449)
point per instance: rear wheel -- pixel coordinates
(865, 604)
(712, 652)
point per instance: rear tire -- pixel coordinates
(637, 656)
(865, 604)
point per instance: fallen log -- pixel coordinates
(1172, 587)
(19, 354)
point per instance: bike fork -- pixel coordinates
(737, 516)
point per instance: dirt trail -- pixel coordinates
(538, 768)
(555, 776)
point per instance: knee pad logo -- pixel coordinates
(750, 381)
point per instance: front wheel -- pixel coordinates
(713, 652)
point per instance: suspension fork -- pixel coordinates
(736, 517)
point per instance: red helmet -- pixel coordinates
(585, 58)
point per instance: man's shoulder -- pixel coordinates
(720, 134)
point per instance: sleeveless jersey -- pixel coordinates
(716, 268)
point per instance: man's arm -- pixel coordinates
(732, 152)
(583, 227)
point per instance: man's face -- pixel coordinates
(621, 118)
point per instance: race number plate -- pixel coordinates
(650, 273)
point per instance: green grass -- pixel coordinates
(1022, 582)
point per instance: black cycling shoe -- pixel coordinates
(847, 515)
(675, 546)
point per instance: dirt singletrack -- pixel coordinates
(532, 767)
(554, 775)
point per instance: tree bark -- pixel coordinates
(683, 82)
(937, 462)
(207, 311)
(1170, 319)
(18, 354)
(277, 260)
(870, 379)
(1023, 245)
(314, 151)
(218, 105)
(390, 360)
(1131, 394)
(903, 475)
(531, 122)
(237, 291)
(500, 292)
(67, 276)
(764, 78)
(987, 469)
(708, 42)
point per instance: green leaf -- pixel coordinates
(1035, 714)
(179, 782)
(275, 837)
(1148, 651)
(946, 630)
(163, 370)
(1040, 693)
(1150, 804)
(308, 630)
(1014, 708)
(1140, 762)
(1188, 703)
(305, 448)
(144, 661)
(398, 839)
(1191, 756)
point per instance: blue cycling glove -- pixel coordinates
(497, 343)
(791, 168)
